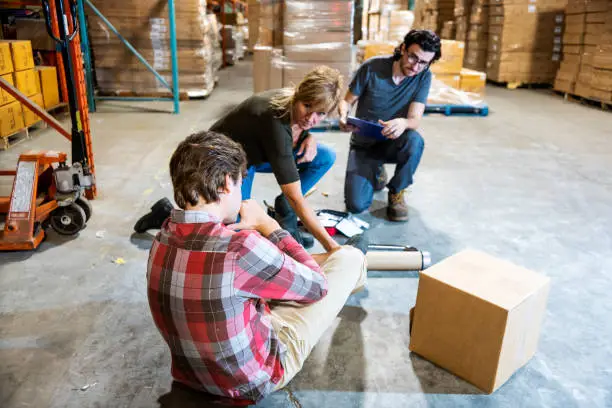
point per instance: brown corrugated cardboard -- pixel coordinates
(479, 317)
(602, 79)
(595, 29)
(572, 49)
(602, 57)
(596, 17)
(596, 6)
(573, 38)
(266, 74)
(563, 85)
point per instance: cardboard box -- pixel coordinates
(596, 17)
(11, 119)
(473, 81)
(573, 38)
(602, 79)
(479, 317)
(48, 85)
(602, 58)
(572, 49)
(452, 80)
(562, 85)
(6, 97)
(21, 53)
(27, 81)
(6, 59)
(267, 72)
(452, 58)
(597, 6)
(29, 117)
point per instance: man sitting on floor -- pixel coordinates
(209, 283)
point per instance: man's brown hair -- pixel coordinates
(199, 165)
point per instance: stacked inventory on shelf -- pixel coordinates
(145, 25)
(314, 32)
(525, 40)
(38, 83)
(462, 11)
(478, 36)
(586, 68)
(388, 20)
(432, 14)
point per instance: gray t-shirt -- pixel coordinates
(381, 98)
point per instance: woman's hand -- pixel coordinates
(308, 150)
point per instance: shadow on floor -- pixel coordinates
(181, 396)
(142, 241)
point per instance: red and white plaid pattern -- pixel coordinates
(207, 287)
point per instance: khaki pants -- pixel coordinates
(300, 327)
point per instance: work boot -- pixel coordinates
(397, 209)
(288, 221)
(359, 241)
(154, 219)
(381, 178)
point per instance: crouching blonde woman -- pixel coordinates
(273, 128)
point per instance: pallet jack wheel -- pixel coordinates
(68, 220)
(86, 206)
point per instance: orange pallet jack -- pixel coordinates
(47, 191)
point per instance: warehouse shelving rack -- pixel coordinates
(174, 88)
(236, 5)
(81, 102)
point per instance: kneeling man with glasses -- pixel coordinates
(390, 90)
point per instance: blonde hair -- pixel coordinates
(321, 87)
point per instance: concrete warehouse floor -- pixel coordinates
(531, 183)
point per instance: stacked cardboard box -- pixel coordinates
(478, 36)
(314, 32)
(388, 20)
(448, 30)
(432, 14)
(317, 32)
(253, 19)
(586, 69)
(463, 9)
(525, 40)
(145, 25)
(17, 68)
(271, 14)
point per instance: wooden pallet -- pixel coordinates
(6, 142)
(603, 105)
(521, 85)
(183, 95)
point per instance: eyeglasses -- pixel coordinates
(414, 59)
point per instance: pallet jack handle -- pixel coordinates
(79, 152)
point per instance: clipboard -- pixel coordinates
(367, 129)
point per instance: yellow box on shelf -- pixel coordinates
(29, 117)
(48, 85)
(11, 119)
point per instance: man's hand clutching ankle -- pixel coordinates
(254, 217)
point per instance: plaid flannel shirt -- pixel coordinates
(207, 287)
